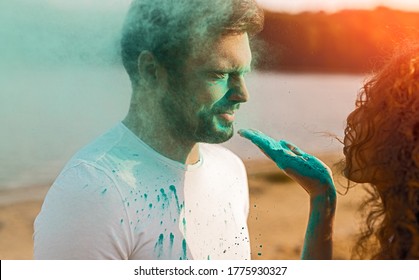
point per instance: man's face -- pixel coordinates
(201, 102)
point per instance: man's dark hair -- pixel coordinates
(167, 27)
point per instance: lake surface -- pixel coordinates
(46, 115)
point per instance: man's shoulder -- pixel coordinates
(98, 149)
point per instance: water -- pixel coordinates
(47, 114)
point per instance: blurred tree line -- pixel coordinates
(346, 41)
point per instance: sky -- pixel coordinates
(280, 5)
(295, 6)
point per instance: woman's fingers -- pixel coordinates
(294, 161)
(264, 142)
(269, 146)
(281, 152)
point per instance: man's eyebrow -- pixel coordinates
(235, 70)
(241, 71)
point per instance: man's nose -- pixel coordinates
(239, 92)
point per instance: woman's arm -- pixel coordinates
(316, 178)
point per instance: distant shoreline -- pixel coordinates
(262, 167)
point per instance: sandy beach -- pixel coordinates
(277, 221)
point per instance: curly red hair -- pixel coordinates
(382, 149)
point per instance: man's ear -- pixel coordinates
(148, 67)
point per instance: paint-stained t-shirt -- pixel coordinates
(117, 198)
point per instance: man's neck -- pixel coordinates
(157, 137)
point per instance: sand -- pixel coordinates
(277, 220)
(279, 213)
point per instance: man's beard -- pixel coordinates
(212, 130)
(204, 127)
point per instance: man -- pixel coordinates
(151, 187)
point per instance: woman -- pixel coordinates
(381, 149)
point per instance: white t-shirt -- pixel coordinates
(117, 198)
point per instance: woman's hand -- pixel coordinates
(311, 173)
